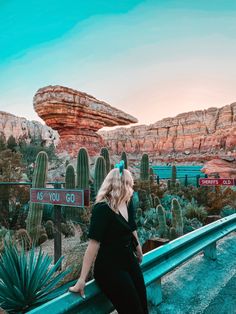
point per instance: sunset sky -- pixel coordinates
(153, 59)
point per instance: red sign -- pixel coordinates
(74, 198)
(213, 182)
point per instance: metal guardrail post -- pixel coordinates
(210, 251)
(154, 292)
(57, 233)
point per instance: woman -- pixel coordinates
(112, 235)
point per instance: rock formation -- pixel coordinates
(196, 135)
(223, 168)
(25, 129)
(77, 116)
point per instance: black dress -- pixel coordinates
(116, 269)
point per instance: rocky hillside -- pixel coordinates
(195, 136)
(22, 128)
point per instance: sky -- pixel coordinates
(150, 58)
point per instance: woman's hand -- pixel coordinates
(139, 253)
(78, 287)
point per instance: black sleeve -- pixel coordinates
(98, 222)
(132, 215)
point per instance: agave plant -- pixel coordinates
(27, 280)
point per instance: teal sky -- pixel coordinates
(152, 59)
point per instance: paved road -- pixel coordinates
(202, 286)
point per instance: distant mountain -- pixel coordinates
(195, 136)
(22, 128)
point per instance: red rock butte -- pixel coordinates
(77, 117)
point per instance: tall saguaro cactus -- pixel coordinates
(100, 173)
(144, 168)
(105, 154)
(83, 169)
(177, 217)
(71, 212)
(124, 157)
(34, 218)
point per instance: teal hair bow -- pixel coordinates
(120, 166)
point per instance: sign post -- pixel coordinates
(59, 197)
(57, 229)
(217, 182)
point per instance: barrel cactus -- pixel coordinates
(34, 218)
(105, 154)
(49, 227)
(23, 238)
(100, 173)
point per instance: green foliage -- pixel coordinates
(193, 210)
(227, 211)
(27, 280)
(11, 143)
(124, 157)
(34, 218)
(100, 173)
(144, 168)
(2, 142)
(29, 152)
(83, 169)
(105, 154)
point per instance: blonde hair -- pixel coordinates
(116, 188)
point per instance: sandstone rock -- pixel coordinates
(77, 116)
(202, 134)
(22, 128)
(225, 169)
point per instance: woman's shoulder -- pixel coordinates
(102, 206)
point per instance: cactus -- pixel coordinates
(42, 236)
(70, 212)
(124, 157)
(23, 238)
(173, 175)
(144, 168)
(163, 229)
(144, 199)
(168, 185)
(83, 169)
(105, 154)
(92, 192)
(177, 217)
(172, 234)
(34, 218)
(156, 201)
(49, 227)
(68, 230)
(100, 173)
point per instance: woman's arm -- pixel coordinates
(139, 251)
(89, 256)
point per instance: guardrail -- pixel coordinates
(155, 265)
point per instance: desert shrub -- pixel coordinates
(193, 210)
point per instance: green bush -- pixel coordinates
(27, 280)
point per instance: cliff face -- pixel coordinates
(22, 128)
(188, 136)
(77, 116)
